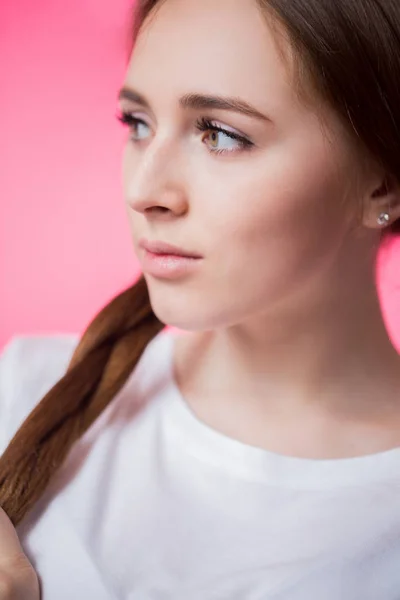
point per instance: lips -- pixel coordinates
(167, 262)
(162, 248)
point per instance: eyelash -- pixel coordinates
(202, 124)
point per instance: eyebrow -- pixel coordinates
(201, 101)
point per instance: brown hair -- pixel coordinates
(350, 52)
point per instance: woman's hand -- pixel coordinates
(18, 579)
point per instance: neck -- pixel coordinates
(300, 354)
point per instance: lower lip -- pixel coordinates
(168, 266)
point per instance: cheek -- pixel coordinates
(280, 218)
(126, 168)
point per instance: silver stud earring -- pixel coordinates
(383, 218)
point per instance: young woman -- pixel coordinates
(257, 455)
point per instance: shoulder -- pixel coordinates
(29, 367)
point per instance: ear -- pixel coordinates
(384, 197)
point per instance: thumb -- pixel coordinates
(10, 546)
(18, 579)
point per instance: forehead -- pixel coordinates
(208, 46)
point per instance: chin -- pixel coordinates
(183, 320)
(193, 310)
(193, 317)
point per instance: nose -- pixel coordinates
(154, 183)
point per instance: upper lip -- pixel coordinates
(158, 247)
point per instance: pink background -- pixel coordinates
(65, 246)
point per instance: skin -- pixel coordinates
(18, 580)
(286, 346)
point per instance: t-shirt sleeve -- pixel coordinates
(29, 367)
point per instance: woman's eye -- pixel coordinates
(221, 141)
(137, 126)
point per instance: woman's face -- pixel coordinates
(266, 210)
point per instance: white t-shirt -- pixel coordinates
(152, 504)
